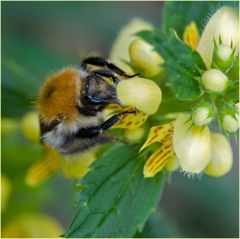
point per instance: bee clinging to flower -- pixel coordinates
(70, 105)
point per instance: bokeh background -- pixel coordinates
(40, 37)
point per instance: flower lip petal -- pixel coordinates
(191, 144)
(140, 93)
(225, 24)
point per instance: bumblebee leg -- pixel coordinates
(97, 130)
(111, 121)
(100, 61)
(106, 73)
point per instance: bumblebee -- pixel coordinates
(71, 102)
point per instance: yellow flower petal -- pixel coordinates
(119, 52)
(225, 24)
(221, 157)
(144, 56)
(192, 144)
(131, 120)
(158, 159)
(77, 166)
(158, 134)
(191, 35)
(43, 169)
(32, 225)
(140, 93)
(30, 126)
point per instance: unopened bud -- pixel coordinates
(214, 81)
(230, 123)
(140, 93)
(203, 114)
(144, 56)
(224, 24)
(223, 56)
(229, 117)
(221, 156)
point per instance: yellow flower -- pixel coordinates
(142, 55)
(157, 161)
(224, 24)
(191, 144)
(221, 157)
(140, 93)
(6, 189)
(119, 53)
(32, 226)
(191, 35)
(30, 126)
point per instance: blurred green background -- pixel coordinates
(40, 37)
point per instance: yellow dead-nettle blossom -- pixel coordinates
(223, 24)
(119, 52)
(191, 35)
(32, 225)
(191, 144)
(221, 156)
(30, 126)
(144, 56)
(140, 93)
(159, 159)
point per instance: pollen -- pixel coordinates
(59, 95)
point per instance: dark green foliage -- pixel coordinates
(116, 199)
(180, 65)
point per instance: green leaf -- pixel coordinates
(178, 15)
(116, 200)
(181, 63)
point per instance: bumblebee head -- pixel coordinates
(98, 91)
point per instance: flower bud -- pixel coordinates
(30, 126)
(221, 158)
(143, 56)
(203, 114)
(191, 144)
(140, 93)
(229, 117)
(230, 123)
(223, 56)
(223, 24)
(214, 81)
